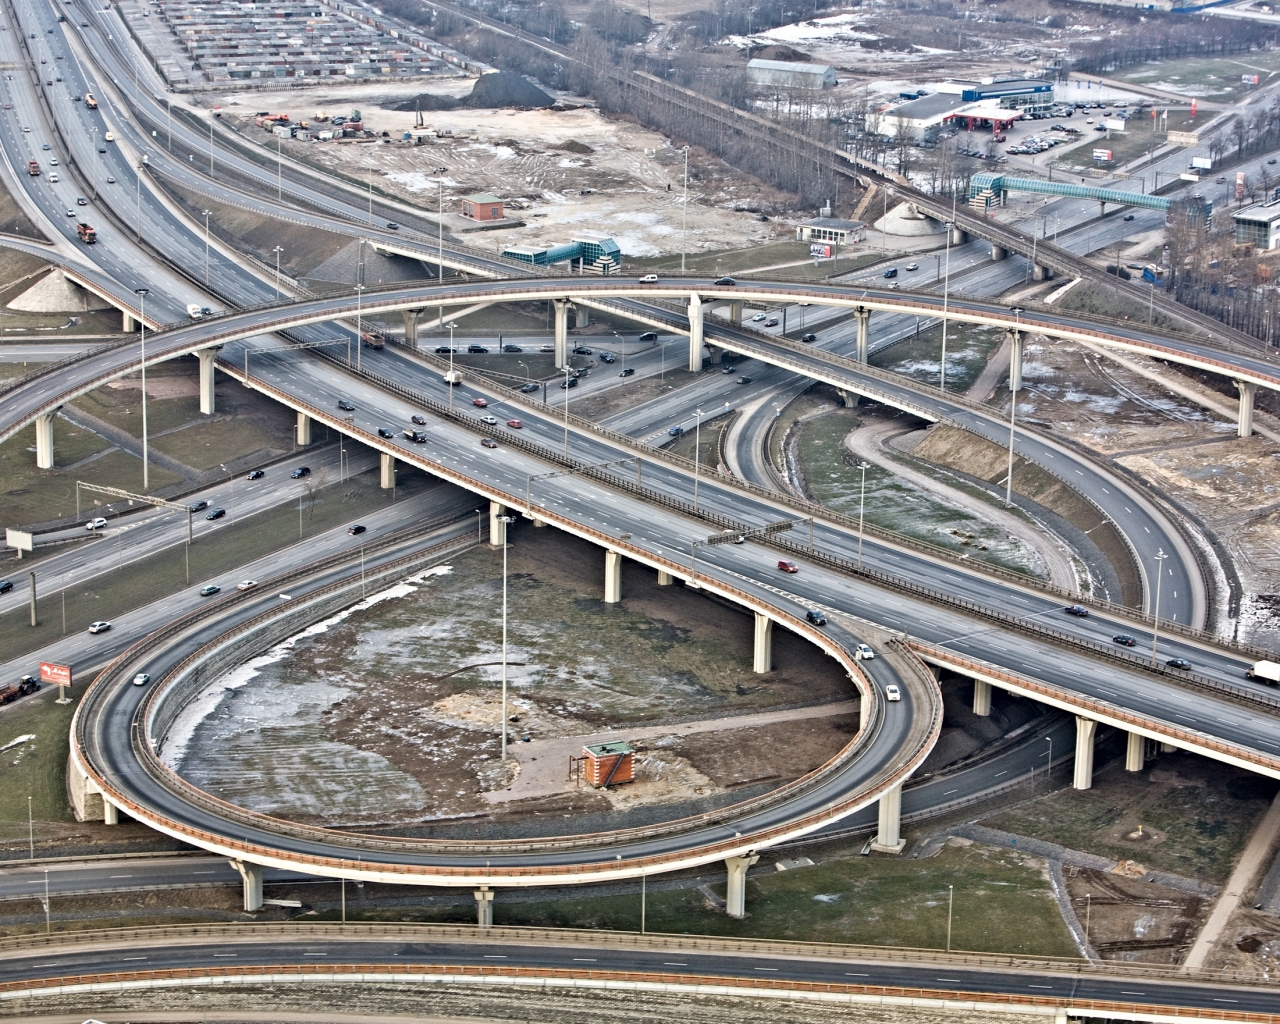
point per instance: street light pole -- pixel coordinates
(137, 177)
(566, 409)
(951, 896)
(1160, 556)
(946, 288)
(862, 502)
(451, 325)
(277, 250)
(1013, 404)
(697, 449)
(142, 323)
(1048, 772)
(206, 247)
(506, 522)
(684, 212)
(359, 324)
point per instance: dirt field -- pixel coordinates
(1132, 920)
(389, 717)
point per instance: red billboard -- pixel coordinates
(819, 252)
(58, 675)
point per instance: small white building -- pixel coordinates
(831, 229)
(1259, 225)
(923, 116)
(791, 74)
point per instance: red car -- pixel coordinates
(788, 566)
(481, 402)
(514, 424)
(488, 442)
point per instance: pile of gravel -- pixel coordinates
(492, 91)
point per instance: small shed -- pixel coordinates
(482, 206)
(607, 764)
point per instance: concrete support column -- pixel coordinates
(252, 875)
(1135, 753)
(387, 463)
(206, 357)
(1244, 421)
(539, 523)
(735, 311)
(410, 326)
(1167, 748)
(695, 333)
(304, 429)
(1085, 729)
(581, 317)
(44, 440)
(864, 332)
(129, 322)
(981, 698)
(849, 399)
(717, 354)
(561, 307)
(959, 237)
(1039, 272)
(998, 253)
(110, 813)
(735, 897)
(612, 577)
(497, 528)
(762, 660)
(889, 835)
(1015, 359)
(665, 579)
(484, 906)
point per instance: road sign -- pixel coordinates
(1115, 126)
(819, 252)
(19, 539)
(1102, 154)
(52, 672)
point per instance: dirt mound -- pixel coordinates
(777, 51)
(492, 91)
(503, 89)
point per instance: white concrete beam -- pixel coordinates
(252, 875)
(207, 400)
(695, 333)
(612, 577)
(981, 698)
(304, 429)
(1085, 729)
(736, 891)
(762, 658)
(889, 833)
(387, 465)
(44, 440)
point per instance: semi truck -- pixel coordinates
(1267, 671)
(33, 167)
(88, 234)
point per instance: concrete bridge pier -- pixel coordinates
(889, 834)
(762, 659)
(497, 528)
(736, 891)
(958, 237)
(998, 252)
(129, 323)
(1015, 358)
(735, 311)
(1039, 272)
(304, 429)
(864, 332)
(581, 317)
(484, 907)
(695, 333)
(252, 875)
(717, 354)
(665, 579)
(1135, 753)
(612, 577)
(981, 698)
(849, 398)
(562, 332)
(44, 440)
(1167, 748)
(206, 357)
(1244, 421)
(411, 326)
(1085, 729)
(110, 813)
(387, 465)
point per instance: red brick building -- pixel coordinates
(482, 206)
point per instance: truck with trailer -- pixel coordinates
(1267, 671)
(25, 686)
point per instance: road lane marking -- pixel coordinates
(495, 956)
(672, 963)
(954, 981)
(584, 959)
(122, 876)
(950, 791)
(764, 968)
(216, 955)
(315, 954)
(855, 974)
(133, 958)
(1039, 986)
(1125, 992)
(1005, 772)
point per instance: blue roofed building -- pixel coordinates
(593, 254)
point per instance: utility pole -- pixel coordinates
(684, 213)
(142, 323)
(206, 247)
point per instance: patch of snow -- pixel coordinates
(19, 740)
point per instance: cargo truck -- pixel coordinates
(374, 339)
(195, 312)
(25, 686)
(33, 167)
(88, 234)
(1267, 671)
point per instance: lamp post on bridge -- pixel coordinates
(506, 522)
(142, 345)
(1017, 311)
(1160, 556)
(206, 246)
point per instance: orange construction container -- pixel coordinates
(607, 764)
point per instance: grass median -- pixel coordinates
(239, 543)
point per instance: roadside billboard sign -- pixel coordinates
(819, 252)
(52, 672)
(1115, 125)
(19, 539)
(1203, 162)
(1239, 184)
(1102, 154)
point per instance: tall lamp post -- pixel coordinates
(684, 212)
(946, 289)
(506, 522)
(94, 133)
(206, 247)
(440, 246)
(142, 324)
(697, 450)
(1017, 311)
(359, 325)
(451, 325)
(862, 504)
(137, 177)
(1048, 771)
(951, 897)
(1160, 556)
(277, 250)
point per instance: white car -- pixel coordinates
(757, 318)
(53, 178)
(649, 279)
(891, 692)
(96, 524)
(491, 420)
(863, 653)
(99, 627)
(246, 584)
(141, 679)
